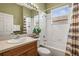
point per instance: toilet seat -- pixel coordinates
(44, 50)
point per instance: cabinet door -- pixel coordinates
(25, 50)
(32, 52)
(1, 54)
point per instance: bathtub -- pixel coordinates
(55, 51)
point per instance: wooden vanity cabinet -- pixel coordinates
(23, 50)
(1, 54)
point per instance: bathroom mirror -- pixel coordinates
(30, 20)
(19, 21)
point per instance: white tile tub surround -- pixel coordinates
(57, 38)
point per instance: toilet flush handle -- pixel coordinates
(43, 36)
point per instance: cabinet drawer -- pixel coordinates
(20, 50)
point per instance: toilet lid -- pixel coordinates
(44, 50)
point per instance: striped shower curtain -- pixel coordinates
(72, 48)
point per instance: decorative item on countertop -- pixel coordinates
(36, 31)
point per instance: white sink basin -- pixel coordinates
(16, 40)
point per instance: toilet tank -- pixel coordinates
(41, 42)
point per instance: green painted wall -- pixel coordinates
(34, 13)
(42, 6)
(27, 12)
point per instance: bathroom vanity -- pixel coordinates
(26, 48)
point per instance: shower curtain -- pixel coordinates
(72, 48)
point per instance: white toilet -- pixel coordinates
(44, 51)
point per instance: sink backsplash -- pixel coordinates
(6, 37)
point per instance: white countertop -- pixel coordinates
(5, 46)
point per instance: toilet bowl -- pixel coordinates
(44, 51)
